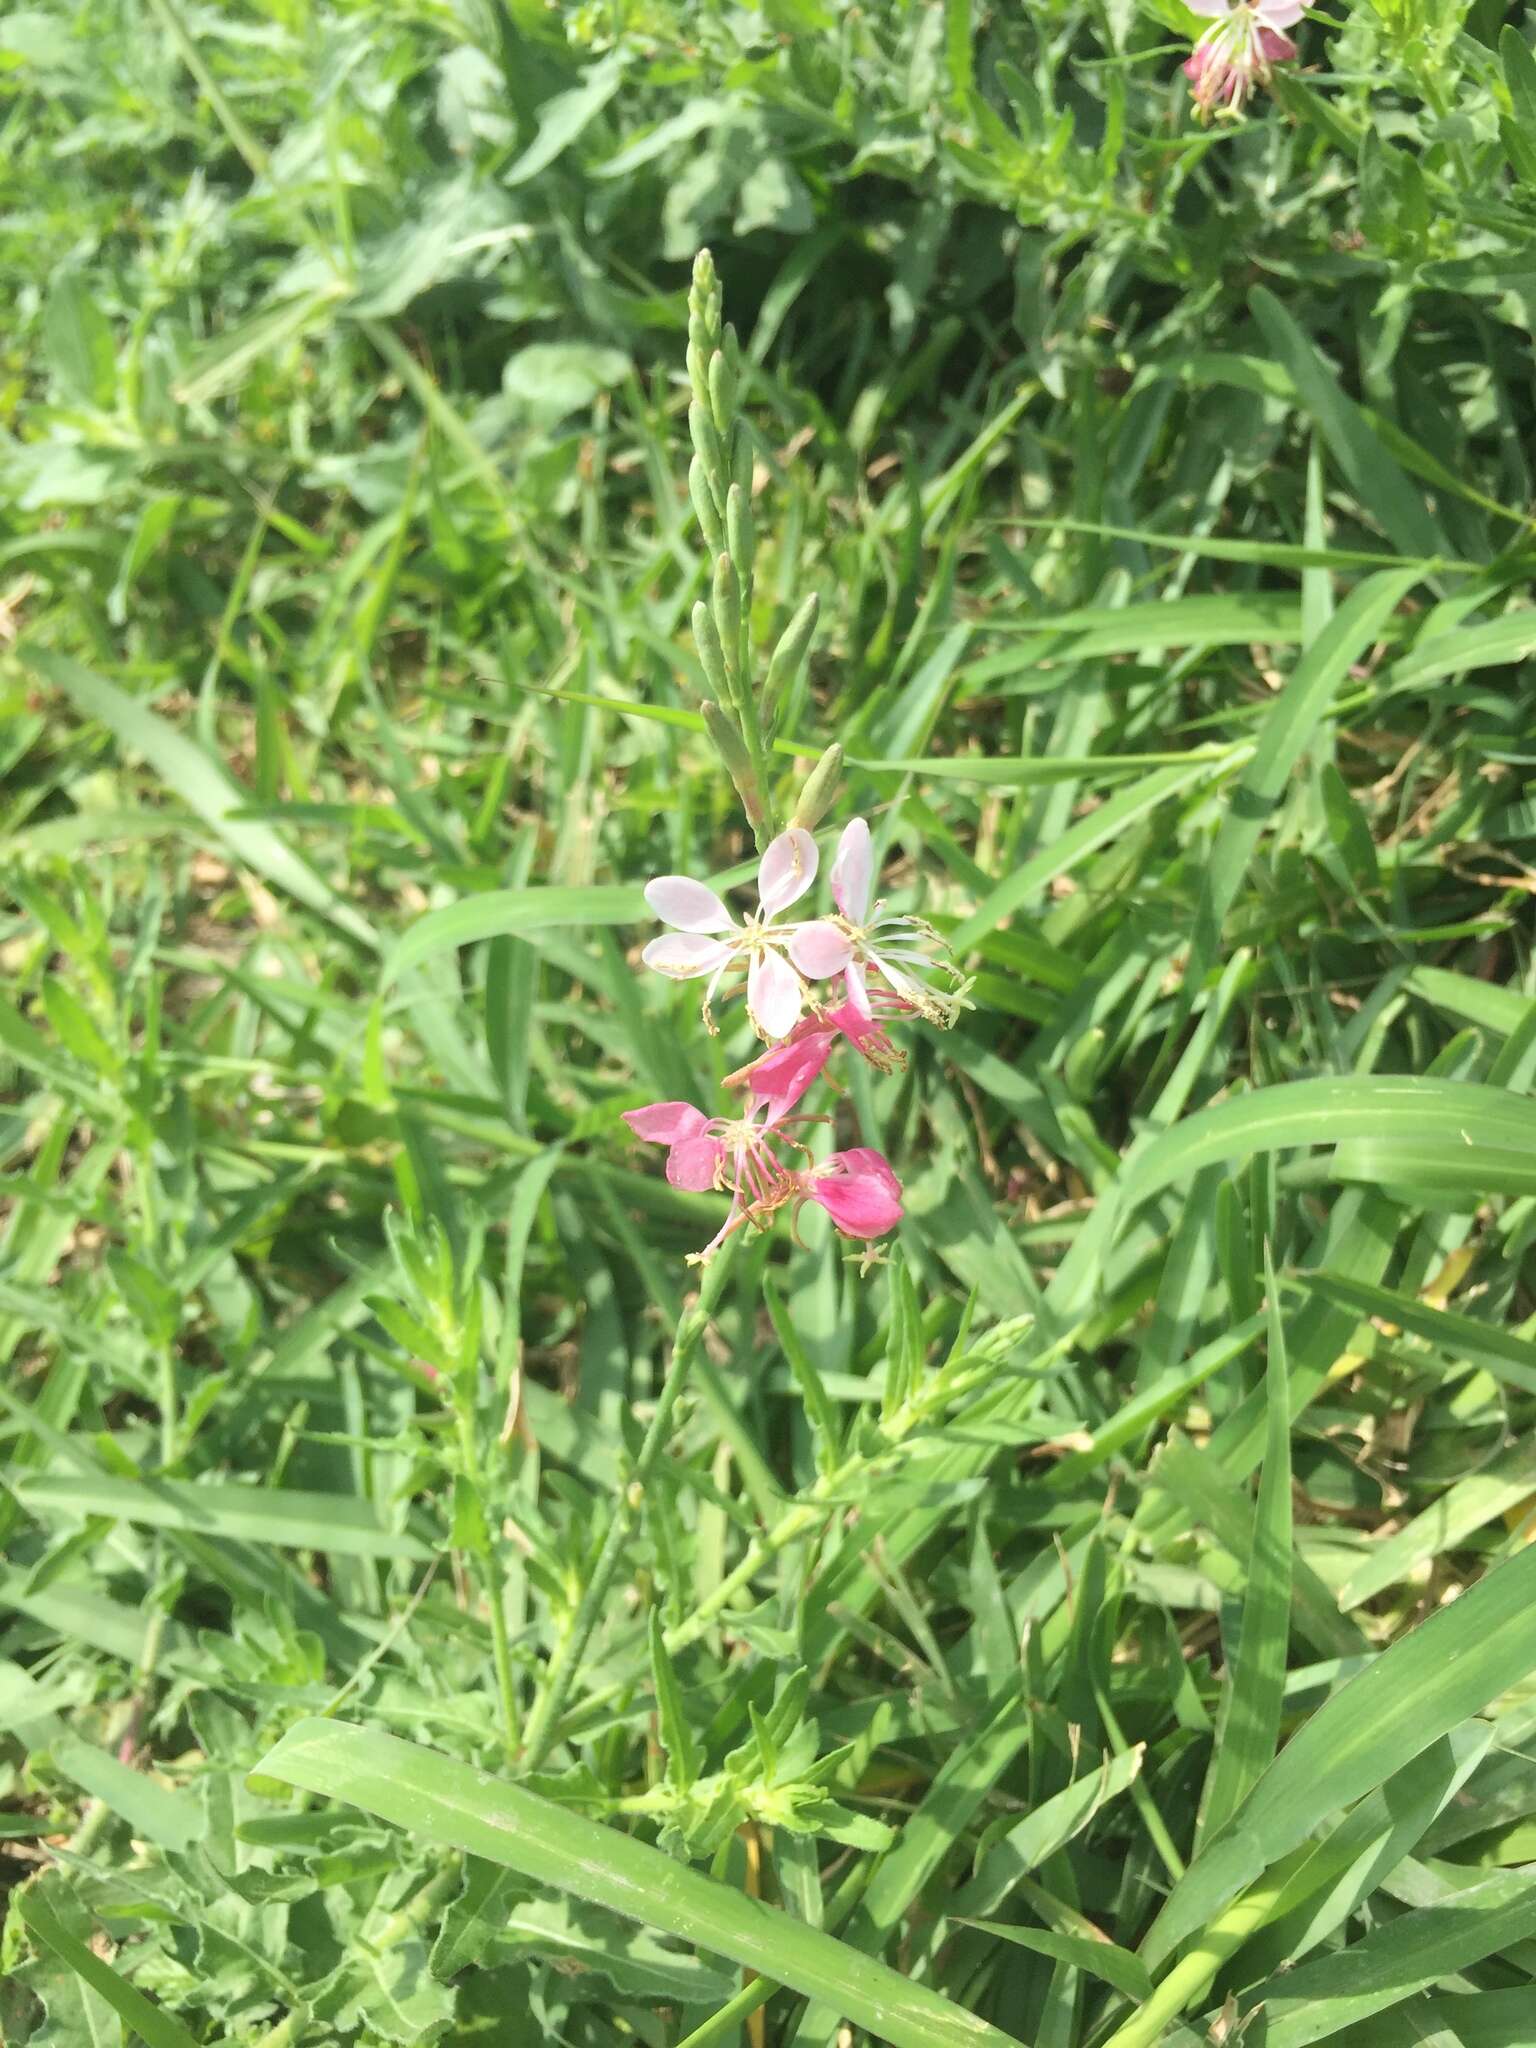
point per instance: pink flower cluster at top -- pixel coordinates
(884, 962)
(1245, 40)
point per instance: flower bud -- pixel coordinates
(741, 537)
(819, 789)
(731, 748)
(705, 508)
(707, 641)
(789, 654)
(707, 445)
(727, 607)
(722, 391)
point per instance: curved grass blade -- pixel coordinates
(455, 1806)
(1450, 1667)
(152, 2023)
(510, 913)
(201, 783)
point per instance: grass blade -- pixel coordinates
(454, 1806)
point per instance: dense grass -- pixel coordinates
(1110, 1617)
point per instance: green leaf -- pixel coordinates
(1377, 481)
(454, 1806)
(1100, 828)
(173, 1819)
(566, 116)
(1248, 1728)
(683, 1764)
(1448, 1114)
(201, 784)
(331, 1522)
(1397, 1960)
(1451, 1666)
(511, 913)
(1291, 722)
(154, 2026)
(1105, 1959)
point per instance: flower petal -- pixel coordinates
(693, 1163)
(1277, 14)
(857, 984)
(1275, 48)
(773, 995)
(1213, 8)
(853, 871)
(781, 1077)
(820, 949)
(788, 869)
(685, 954)
(687, 905)
(858, 1190)
(664, 1123)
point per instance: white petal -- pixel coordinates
(687, 905)
(1212, 8)
(819, 949)
(773, 995)
(857, 985)
(853, 871)
(903, 984)
(685, 954)
(787, 871)
(1276, 13)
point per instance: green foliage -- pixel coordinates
(1104, 1621)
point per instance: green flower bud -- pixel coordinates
(789, 654)
(819, 788)
(710, 653)
(705, 508)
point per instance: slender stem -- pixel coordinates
(796, 1521)
(569, 1651)
(490, 1573)
(245, 142)
(1191, 1977)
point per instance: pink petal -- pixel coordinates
(685, 954)
(787, 871)
(781, 1077)
(773, 995)
(1212, 8)
(692, 1164)
(858, 1190)
(1278, 14)
(820, 949)
(687, 905)
(1275, 48)
(867, 1037)
(664, 1123)
(853, 871)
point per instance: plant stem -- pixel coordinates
(490, 1574)
(566, 1660)
(1193, 1974)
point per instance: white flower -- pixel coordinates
(865, 937)
(706, 939)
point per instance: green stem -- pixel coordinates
(1192, 1976)
(490, 1573)
(569, 1651)
(245, 142)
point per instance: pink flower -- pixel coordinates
(732, 1154)
(706, 939)
(862, 937)
(737, 1155)
(1237, 51)
(857, 1189)
(778, 1078)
